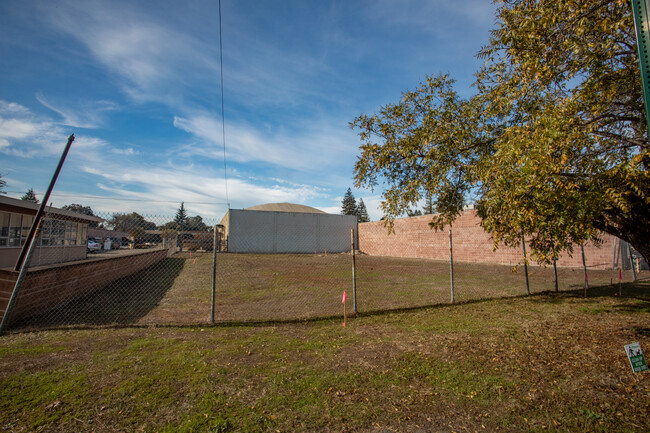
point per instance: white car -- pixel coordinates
(93, 246)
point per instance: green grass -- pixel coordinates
(543, 363)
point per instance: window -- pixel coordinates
(82, 233)
(4, 228)
(15, 224)
(26, 227)
(14, 229)
(70, 233)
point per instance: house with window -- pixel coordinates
(64, 233)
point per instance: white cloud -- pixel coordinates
(161, 189)
(441, 17)
(86, 115)
(156, 62)
(128, 151)
(307, 146)
(12, 108)
(25, 135)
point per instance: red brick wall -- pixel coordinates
(50, 287)
(414, 238)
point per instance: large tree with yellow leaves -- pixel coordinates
(553, 146)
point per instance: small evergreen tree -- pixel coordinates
(362, 212)
(349, 204)
(181, 217)
(3, 183)
(30, 196)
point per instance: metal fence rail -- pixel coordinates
(131, 269)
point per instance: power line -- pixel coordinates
(223, 113)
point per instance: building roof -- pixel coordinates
(285, 207)
(8, 204)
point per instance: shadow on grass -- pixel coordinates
(124, 302)
(121, 302)
(638, 290)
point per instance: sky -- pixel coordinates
(139, 84)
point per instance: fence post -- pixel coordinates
(214, 272)
(584, 267)
(629, 254)
(523, 244)
(354, 273)
(451, 266)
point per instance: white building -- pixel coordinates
(287, 228)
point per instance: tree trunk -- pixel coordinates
(632, 227)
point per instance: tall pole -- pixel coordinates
(641, 13)
(631, 256)
(214, 273)
(451, 266)
(584, 267)
(354, 273)
(523, 244)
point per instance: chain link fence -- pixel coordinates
(130, 269)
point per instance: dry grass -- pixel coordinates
(258, 287)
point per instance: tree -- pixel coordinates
(85, 210)
(414, 212)
(553, 146)
(196, 223)
(349, 204)
(30, 196)
(362, 212)
(170, 225)
(3, 184)
(181, 217)
(133, 222)
(74, 207)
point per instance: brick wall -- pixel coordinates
(51, 286)
(414, 238)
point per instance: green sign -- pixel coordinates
(635, 355)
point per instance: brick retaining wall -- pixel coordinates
(413, 237)
(48, 287)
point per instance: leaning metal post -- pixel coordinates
(41, 209)
(32, 239)
(19, 281)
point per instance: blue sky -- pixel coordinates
(138, 83)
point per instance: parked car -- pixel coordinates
(93, 246)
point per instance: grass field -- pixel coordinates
(549, 362)
(257, 287)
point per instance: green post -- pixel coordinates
(641, 12)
